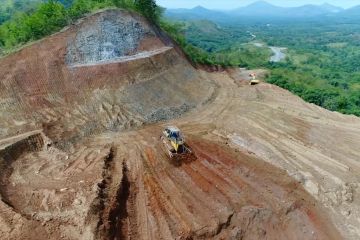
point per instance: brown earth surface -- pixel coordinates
(81, 157)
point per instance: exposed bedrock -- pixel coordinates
(110, 36)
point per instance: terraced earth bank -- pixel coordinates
(80, 154)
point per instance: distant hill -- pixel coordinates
(260, 9)
(205, 27)
(309, 10)
(349, 15)
(331, 8)
(196, 13)
(265, 9)
(355, 11)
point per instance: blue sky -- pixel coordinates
(230, 4)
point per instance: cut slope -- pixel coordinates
(89, 78)
(110, 36)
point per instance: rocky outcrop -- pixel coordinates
(110, 36)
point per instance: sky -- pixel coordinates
(231, 4)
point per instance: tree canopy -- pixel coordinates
(52, 15)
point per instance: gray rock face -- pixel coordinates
(111, 36)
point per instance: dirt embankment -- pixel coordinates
(81, 115)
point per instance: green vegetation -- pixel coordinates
(9, 8)
(197, 55)
(47, 18)
(204, 42)
(149, 9)
(53, 15)
(322, 65)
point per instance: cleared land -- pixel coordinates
(269, 166)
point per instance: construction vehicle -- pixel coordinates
(253, 76)
(253, 80)
(174, 143)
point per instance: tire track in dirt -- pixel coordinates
(116, 200)
(211, 197)
(226, 193)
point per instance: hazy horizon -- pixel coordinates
(231, 4)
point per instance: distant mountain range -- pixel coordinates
(195, 13)
(262, 9)
(355, 11)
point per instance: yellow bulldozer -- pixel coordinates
(253, 80)
(174, 143)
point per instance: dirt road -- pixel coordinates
(278, 54)
(142, 55)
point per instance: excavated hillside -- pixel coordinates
(80, 154)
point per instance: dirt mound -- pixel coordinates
(81, 157)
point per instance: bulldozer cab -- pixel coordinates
(174, 135)
(175, 146)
